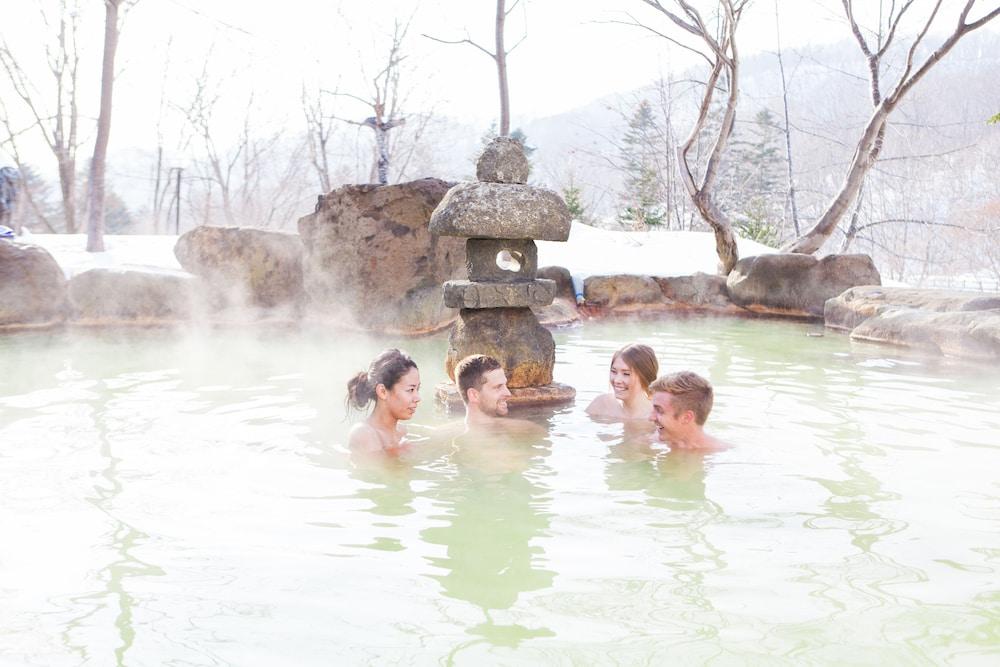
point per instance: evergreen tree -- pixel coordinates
(642, 193)
(38, 209)
(753, 193)
(571, 195)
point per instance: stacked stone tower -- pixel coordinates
(502, 217)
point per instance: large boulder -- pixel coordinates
(854, 306)
(700, 292)
(101, 297)
(969, 334)
(370, 259)
(561, 312)
(794, 284)
(244, 267)
(624, 294)
(513, 336)
(562, 278)
(954, 323)
(34, 287)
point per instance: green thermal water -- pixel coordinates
(178, 499)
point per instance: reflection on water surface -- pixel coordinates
(166, 497)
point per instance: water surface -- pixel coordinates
(177, 498)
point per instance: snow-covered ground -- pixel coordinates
(592, 252)
(145, 251)
(589, 251)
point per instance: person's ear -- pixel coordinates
(687, 416)
(473, 395)
(381, 391)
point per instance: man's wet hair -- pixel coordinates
(470, 373)
(690, 391)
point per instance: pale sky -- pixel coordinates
(570, 56)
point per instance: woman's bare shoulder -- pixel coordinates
(605, 405)
(364, 437)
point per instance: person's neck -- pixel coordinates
(637, 406)
(696, 438)
(474, 417)
(382, 419)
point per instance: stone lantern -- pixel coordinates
(502, 217)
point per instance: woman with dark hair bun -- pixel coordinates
(392, 383)
(633, 368)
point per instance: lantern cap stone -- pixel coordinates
(501, 211)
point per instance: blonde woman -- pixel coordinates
(633, 368)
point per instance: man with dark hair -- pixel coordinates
(681, 405)
(483, 386)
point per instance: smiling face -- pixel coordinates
(671, 423)
(404, 396)
(624, 382)
(493, 394)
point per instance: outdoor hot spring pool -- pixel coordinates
(180, 499)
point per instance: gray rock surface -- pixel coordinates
(503, 161)
(949, 322)
(370, 258)
(468, 294)
(968, 334)
(483, 262)
(501, 211)
(560, 313)
(562, 278)
(794, 284)
(132, 296)
(244, 267)
(624, 293)
(513, 335)
(857, 304)
(699, 292)
(34, 287)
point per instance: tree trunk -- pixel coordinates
(382, 146)
(813, 239)
(501, 58)
(725, 241)
(95, 222)
(853, 228)
(67, 188)
(794, 209)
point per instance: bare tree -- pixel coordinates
(724, 63)
(161, 176)
(499, 55)
(98, 163)
(786, 130)
(385, 102)
(870, 143)
(59, 125)
(221, 163)
(319, 134)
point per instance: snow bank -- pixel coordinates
(122, 251)
(589, 251)
(593, 252)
